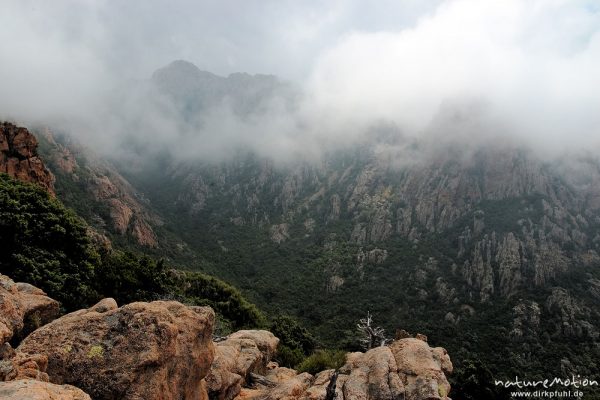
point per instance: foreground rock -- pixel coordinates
(15, 365)
(23, 308)
(370, 375)
(241, 354)
(422, 369)
(152, 351)
(28, 389)
(408, 369)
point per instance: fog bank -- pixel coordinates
(442, 71)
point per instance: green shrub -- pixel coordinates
(288, 357)
(45, 244)
(128, 277)
(293, 335)
(201, 289)
(322, 360)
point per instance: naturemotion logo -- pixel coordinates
(562, 387)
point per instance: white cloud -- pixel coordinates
(466, 69)
(532, 63)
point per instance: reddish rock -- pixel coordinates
(28, 389)
(422, 337)
(408, 369)
(15, 365)
(422, 369)
(290, 389)
(318, 388)
(143, 233)
(128, 213)
(152, 351)
(23, 308)
(280, 374)
(371, 375)
(265, 341)
(243, 352)
(19, 158)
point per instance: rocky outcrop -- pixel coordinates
(163, 350)
(241, 354)
(504, 264)
(28, 389)
(526, 319)
(159, 350)
(571, 314)
(126, 214)
(23, 308)
(19, 157)
(370, 375)
(422, 369)
(280, 233)
(407, 369)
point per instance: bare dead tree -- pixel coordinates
(371, 336)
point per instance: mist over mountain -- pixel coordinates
(453, 71)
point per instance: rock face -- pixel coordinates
(153, 351)
(23, 308)
(242, 353)
(422, 369)
(28, 389)
(408, 369)
(370, 375)
(19, 158)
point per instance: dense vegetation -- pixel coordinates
(47, 245)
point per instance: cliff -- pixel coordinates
(19, 157)
(97, 190)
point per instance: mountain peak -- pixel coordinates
(181, 69)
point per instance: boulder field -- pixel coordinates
(164, 350)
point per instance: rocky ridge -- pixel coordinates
(127, 213)
(514, 222)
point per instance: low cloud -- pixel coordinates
(435, 71)
(526, 69)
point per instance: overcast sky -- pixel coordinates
(530, 66)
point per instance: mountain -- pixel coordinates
(489, 248)
(195, 91)
(495, 254)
